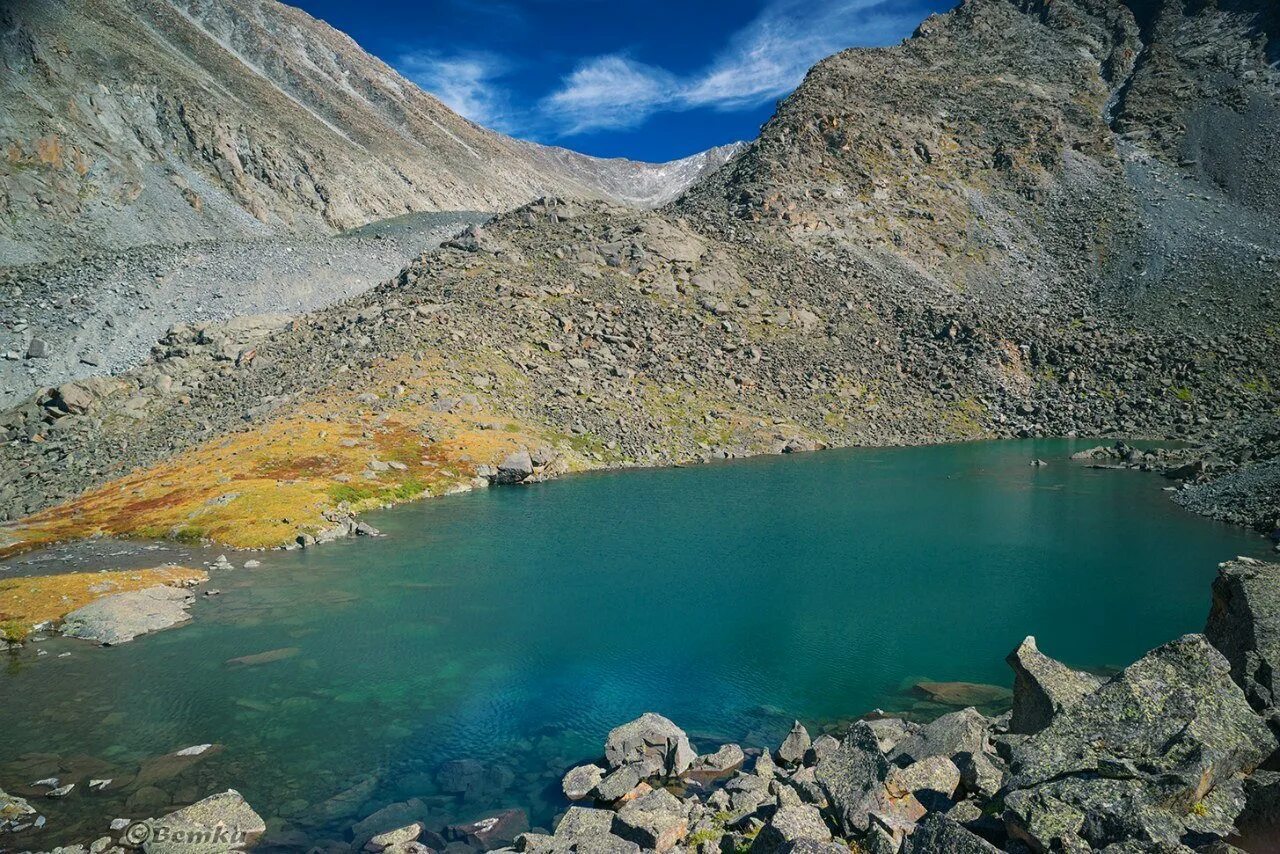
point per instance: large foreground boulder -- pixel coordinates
(1244, 624)
(1156, 753)
(650, 745)
(1043, 687)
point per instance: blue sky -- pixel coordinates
(645, 79)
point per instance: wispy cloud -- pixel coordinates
(761, 62)
(466, 82)
(609, 92)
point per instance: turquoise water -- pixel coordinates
(516, 626)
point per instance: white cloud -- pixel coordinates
(464, 82)
(761, 62)
(609, 92)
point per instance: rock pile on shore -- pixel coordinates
(1162, 757)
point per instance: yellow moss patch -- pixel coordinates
(28, 601)
(261, 488)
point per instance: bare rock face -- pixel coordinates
(1043, 687)
(1244, 625)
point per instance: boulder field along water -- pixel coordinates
(1029, 220)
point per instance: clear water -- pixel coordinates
(517, 626)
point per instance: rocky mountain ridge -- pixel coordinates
(148, 121)
(942, 240)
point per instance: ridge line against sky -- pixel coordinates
(646, 79)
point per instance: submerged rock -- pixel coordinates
(121, 617)
(1043, 687)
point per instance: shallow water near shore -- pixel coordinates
(515, 627)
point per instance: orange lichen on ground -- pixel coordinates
(26, 602)
(265, 486)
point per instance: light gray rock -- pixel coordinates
(728, 758)
(583, 821)
(394, 838)
(650, 737)
(965, 731)
(823, 745)
(39, 349)
(14, 808)
(219, 823)
(795, 745)
(933, 780)
(617, 783)
(121, 617)
(654, 820)
(515, 468)
(1042, 687)
(581, 781)
(789, 824)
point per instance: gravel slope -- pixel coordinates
(104, 313)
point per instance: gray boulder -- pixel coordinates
(965, 731)
(937, 834)
(581, 781)
(933, 780)
(795, 745)
(617, 783)
(651, 744)
(853, 779)
(728, 758)
(823, 745)
(516, 467)
(580, 822)
(121, 617)
(790, 824)
(1042, 687)
(654, 820)
(1175, 711)
(1244, 625)
(890, 732)
(1156, 753)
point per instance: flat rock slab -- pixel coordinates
(219, 823)
(122, 617)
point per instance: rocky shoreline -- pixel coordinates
(1177, 752)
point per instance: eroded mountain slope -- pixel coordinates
(149, 121)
